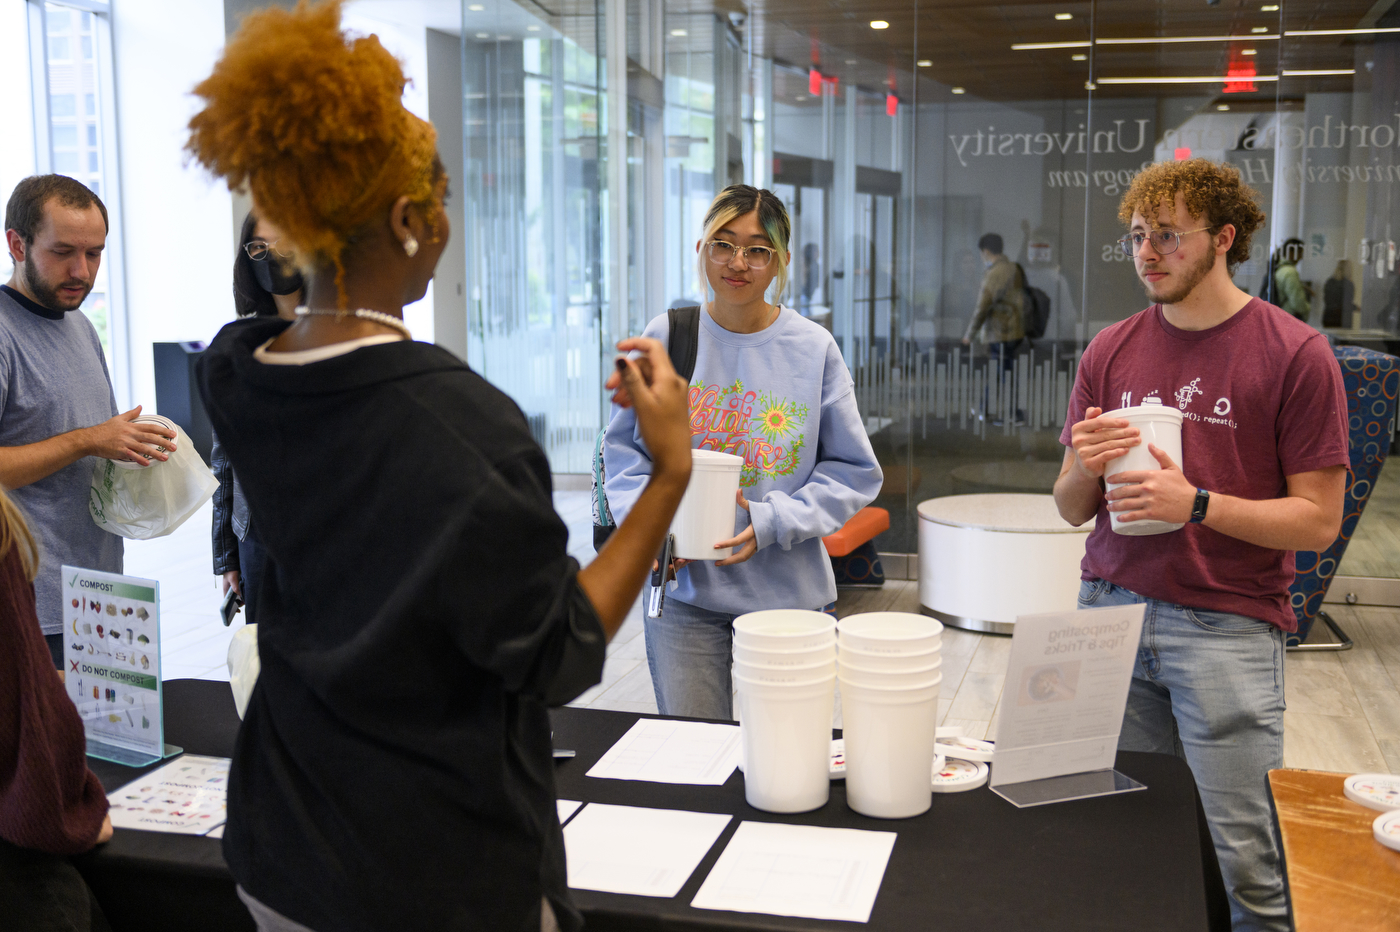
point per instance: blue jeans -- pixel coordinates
(1208, 687)
(689, 651)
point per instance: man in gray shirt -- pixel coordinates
(57, 410)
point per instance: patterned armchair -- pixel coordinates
(1372, 381)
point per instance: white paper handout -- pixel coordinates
(1066, 687)
(187, 796)
(798, 870)
(663, 751)
(567, 807)
(647, 852)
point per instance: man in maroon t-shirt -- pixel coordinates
(1265, 457)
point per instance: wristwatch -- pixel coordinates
(1198, 510)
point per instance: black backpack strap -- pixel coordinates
(683, 341)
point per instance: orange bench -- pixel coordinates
(863, 526)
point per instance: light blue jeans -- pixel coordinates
(689, 653)
(1208, 687)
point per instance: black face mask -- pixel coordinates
(277, 277)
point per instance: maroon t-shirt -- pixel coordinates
(1262, 399)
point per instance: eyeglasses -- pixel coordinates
(722, 253)
(258, 250)
(1164, 242)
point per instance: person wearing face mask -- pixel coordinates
(57, 409)
(265, 284)
(771, 386)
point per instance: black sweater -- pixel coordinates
(394, 769)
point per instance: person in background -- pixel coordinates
(1290, 291)
(265, 284)
(1265, 475)
(57, 409)
(1338, 297)
(421, 612)
(771, 386)
(1000, 311)
(51, 804)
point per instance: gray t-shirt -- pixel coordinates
(53, 379)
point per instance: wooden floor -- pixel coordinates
(1343, 706)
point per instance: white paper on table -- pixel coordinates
(1066, 688)
(665, 751)
(567, 807)
(798, 870)
(187, 796)
(647, 852)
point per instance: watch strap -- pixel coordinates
(1198, 508)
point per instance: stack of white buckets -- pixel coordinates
(785, 673)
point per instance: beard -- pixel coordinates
(47, 293)
(1183, 283)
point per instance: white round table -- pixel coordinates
(985, 559)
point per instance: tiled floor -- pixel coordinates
(1343, 707)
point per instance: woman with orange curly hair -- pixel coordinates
(419, 612)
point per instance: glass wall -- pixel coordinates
(897, 144)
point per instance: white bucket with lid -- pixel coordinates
(1158, 425)
(157, 420)
(785, 629)
(772, 657)
(890, 632)
(889, 736)
(786, 735)
(706, 514)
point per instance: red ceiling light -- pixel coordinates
(891, 105)
(1181, 154)
(1241, 74)
(814, 82)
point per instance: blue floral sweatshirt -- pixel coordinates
(782, 399)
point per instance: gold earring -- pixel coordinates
(410, 246)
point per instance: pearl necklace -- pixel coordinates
(378, 317)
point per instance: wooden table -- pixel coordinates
(1338, 875)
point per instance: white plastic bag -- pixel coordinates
(244, 665)
(151, 502)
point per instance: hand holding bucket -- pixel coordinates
(706, 514)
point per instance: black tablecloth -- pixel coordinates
(1140, 861)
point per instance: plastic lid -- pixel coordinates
(1373, 790)
(1386, 829)
(713, 458)
(1150, 407)
(959, 776)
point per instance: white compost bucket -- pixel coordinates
(785, 629)
(787, 743)
(862, 676)
(1158, 425)
(890, 632)
(769, 657)
(895, 663)
(889, 748)
(706, 514)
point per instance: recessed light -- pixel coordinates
(1249, 52)
(959, 90)
(1222, 106)
(925, 63)
(879, 24)
(1260, 29)
(1064, 16)
(1270, 8)
(483, 35)
(532, 29)
(476, 8)
(1090, 86)
(800, 97)
(679, 32)
(1079, 57)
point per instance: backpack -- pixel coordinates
(682, 344)
(1035, 308)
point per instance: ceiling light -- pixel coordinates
(1064, 16)
(879, 24)
(1169, 40)
(1222, 106)
(851, 61)
(1199, 79)
(1090, 86)
(925, 63)
(1258, 29)
(1079, 57)
(532, 29)
(1340, 32)
(1318, 73)
(483, 35)
(1269, 8)
(959, 90)
(476, 8)
(1249, 52)
(1034, 46)
(679, 32)
(800, 97)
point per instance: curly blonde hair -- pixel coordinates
(311, 121)
(1213, 193)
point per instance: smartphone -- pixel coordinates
(232, 603)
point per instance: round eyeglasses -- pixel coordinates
(258, 250)
(1164, 242)
(756, 257)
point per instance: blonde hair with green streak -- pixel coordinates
(736, 201)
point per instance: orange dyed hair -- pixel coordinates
(311, 121)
